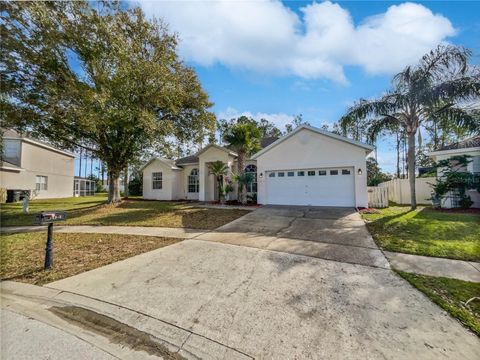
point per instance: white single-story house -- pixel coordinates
(470, 147)
(308, 166)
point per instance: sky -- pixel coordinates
(274, 60)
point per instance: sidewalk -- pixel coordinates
(424, 265)
(432, 266)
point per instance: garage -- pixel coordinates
(310, 166)
(315, 187)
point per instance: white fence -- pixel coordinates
(399, 190)
(377, 196)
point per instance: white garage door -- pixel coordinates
(316, 187)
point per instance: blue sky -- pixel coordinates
(277, 59)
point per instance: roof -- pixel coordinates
(233, 153)
(318, 131)
(12, 134)
(266, 141)
(471, 142)
(192, 159)
(168, 162)
(5, 165)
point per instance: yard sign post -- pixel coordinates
(49, 218)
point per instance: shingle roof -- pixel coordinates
(187, 160)
(267, 141)
(464, 144)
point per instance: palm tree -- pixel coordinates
(219, 169)
(244, 138)
(441, 83)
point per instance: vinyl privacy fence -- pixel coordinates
(399, 190)
(377, 196)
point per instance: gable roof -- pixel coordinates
(233, 153)
(168, 162)
(318, 131)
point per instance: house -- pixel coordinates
(36, 167)
(470, 147)
(308, 166)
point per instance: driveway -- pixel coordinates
(282, 304)
(329, 233)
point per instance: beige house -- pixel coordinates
(308, 166)
(34, 166)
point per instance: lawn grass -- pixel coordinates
(426, 231)
(22, 255)
(132, 212)
(451, 295)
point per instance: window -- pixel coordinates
(281, 174)
(272, 174)
(333, 172)
(193, 181)
(311, 173)
(157, 182)
(252, 169)
(300, 173)
(345, 172)
(322, 172)
(41, 182)
(291, 173)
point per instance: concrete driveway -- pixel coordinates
(324, 232)
(279, 304)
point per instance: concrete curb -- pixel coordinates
(36, 302)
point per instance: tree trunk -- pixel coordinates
(114, 188)
(125, 183)
(411, 169)
(398, 155)
(241, 171)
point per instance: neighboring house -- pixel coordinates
(470, 147)
(308, 166)
(34, 166)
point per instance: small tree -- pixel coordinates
(453, 181)
(245, 140)
(219, 169)
(375, 175)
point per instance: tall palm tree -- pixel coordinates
(244, 138)
(219, 169)
(441, 83)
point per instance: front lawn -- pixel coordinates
(426, 231)
(22, 255)
(451, 295)
(131, 212)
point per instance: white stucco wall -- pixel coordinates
(37, 160)
(308, 149)
(172, 182)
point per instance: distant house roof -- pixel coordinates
(12, 134)
(464, 144)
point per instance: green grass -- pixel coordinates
(22, 255)
(426, 231)
(451, 295)
(132, 212)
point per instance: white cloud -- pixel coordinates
(279, 119)
(267, 36)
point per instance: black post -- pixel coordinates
(49, 248)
